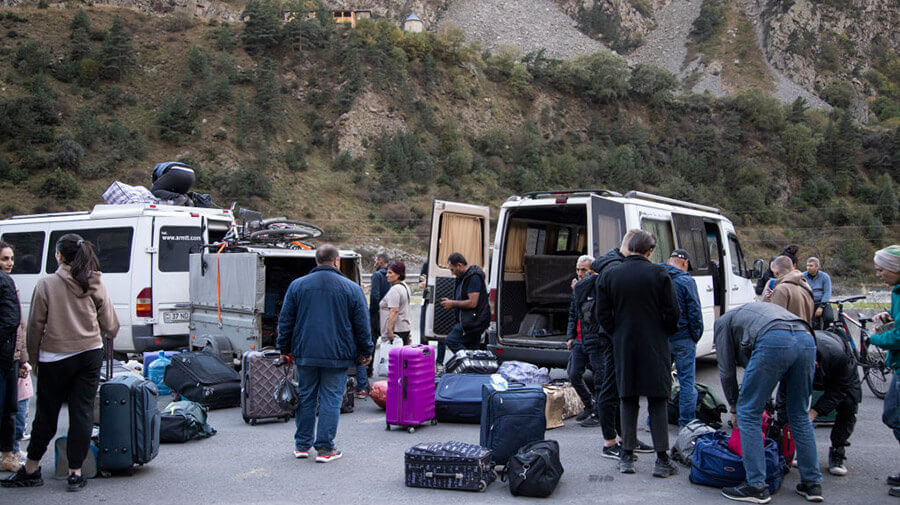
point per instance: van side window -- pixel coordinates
(113, 247)
(176, 243)
(28, 248)
(463, 234)
(665, 244)
(737, 257)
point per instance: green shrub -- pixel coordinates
(760, 110)
(79, 36)
(116, 54)
(224, 38)
(799, 147)
(654, 83)
(887, 203)
(601, 77)
(245, 182)
(839, 94)
(30, 60)
(178, 21)
(294, 158)
(88, 72)
(129, 143)
(268, 95)
(710, 22)
(60, 185)
(262, 27)
(68, 154)
(884, 108)
(175, 120)
(197, 61)
(345, 162)
(87, 128)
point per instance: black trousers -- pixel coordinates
(658, 419)
(9, 383)
(606, 396)
(578, 361)
(844, 423)
(74, 381)
(172, 184)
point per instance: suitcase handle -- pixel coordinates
(445, 475)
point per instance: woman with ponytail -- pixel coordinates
(69, 311)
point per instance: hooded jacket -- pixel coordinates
(65, 318)
(836, 372)
(690, 325)
(793, 293)
(890, 338)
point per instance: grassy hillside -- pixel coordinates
(358, 130)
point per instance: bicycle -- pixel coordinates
(871, 358)
(278, 232)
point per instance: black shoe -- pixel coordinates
(663, 469)
(22, 479)
(836, 463)
(894, 491)
(591, 422)
(642, 447)
(612, 452)
(746, 492)
(893, 480)
(76, 483)
(586, 413)
(812, 492)
(625, 464)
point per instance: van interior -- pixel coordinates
(541, 247)
(280, 273)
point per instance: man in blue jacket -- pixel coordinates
(683, 343)
(324, 328)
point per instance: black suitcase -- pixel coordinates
(129, 423)
(450, 465)
(259, 378)
(202, 377)
(467, 361)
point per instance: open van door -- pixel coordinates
(455, 227)
(690, 232)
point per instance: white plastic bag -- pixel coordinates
(382, 351)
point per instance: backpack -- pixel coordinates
(709, 406)
(683, 449)
(535, 469)
(183, 421)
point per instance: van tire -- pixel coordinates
(221, 348)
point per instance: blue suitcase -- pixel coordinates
(511, 418)
(458, 398)
(129, 423)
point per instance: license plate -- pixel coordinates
(180, 316)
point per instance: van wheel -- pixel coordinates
(221, 348)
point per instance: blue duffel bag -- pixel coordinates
(512, 418)
(457, 398)
(713, 464)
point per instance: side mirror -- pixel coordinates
(759, 266)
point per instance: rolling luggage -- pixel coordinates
(129, 423)
(511, 418)
(713, 464)
(478, 362)
(458, 398)
(201, 377)
(259, 377)
(450, 465)
(410, 394)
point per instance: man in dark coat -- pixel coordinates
(473, 313)
(637, 305)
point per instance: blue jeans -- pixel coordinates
(362, 377)
(684, 354)
(891, 414)
(325, 387)
(20, 423)
(457, 340)
(779, 354)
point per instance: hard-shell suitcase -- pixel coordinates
(511, 418)
(469, 361)
(259, 376)
(129, 423)
(450, 465)
(410, 394)
(458, 398)
(201, 377)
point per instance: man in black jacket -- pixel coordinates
(575, 339)
(636, 303)
(471, 303)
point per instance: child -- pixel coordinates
(26, 391)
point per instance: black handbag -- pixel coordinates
(535, 469)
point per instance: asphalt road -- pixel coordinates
(254, 464)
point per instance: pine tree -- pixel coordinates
(116, 54)
(79, 36)
(268, 95)
(262, 27)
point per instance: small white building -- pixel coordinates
(413, 24)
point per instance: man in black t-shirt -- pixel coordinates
(471, 303)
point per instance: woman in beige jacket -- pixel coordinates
(69, 310)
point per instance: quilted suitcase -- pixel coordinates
(201, 377)
(259, 376)
(410, 394)
(468, 361)
(450, 465)
(129, 423)
(511, 418)
(458, 398)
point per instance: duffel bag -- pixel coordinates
(713, 464)
(535, 469)
(183, 421)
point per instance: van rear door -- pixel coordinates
(174, 239)
(691, 235)
(455, 227)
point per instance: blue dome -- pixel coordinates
(413, 17)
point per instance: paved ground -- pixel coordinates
(253, 464)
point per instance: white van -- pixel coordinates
(143, 251)
(539, 237)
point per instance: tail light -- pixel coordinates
(492, 301)
(144, 303)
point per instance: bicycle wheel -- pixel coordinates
(877, 373)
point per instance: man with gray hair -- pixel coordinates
(582, 286)
(820, 284)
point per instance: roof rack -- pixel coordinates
(598, 192)
(49, 214)
(671, 201)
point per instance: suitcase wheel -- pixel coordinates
(286, 418)
(105, 473)
(253, 422)
(434, 422)
(482, 486)
(246, 420)
(411, 429)
(387, 427)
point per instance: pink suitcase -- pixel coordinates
(410, 392)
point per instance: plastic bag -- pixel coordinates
(286, 394)
(382, 352)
